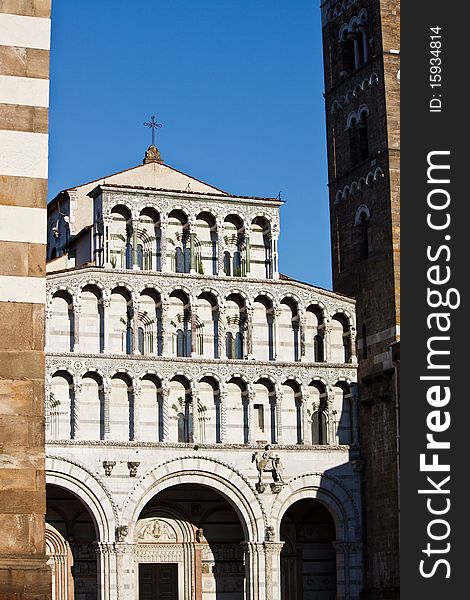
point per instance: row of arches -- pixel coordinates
(122, 408)
(212, 518)
(206, 326)
(176, 243)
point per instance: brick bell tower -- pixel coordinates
(361, 60)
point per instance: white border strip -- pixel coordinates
(23, 289)
(25, 32)
(23, 224)
(27, 91)
(23, 154)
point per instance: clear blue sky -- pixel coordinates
(237, 85)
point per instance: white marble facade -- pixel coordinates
(202, 432)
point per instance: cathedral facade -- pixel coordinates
(201, 408)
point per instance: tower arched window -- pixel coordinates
(352, 132)
(363, 136)
(364, 234)
(347, 52)
(140, 340)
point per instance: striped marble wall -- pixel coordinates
(24, 100)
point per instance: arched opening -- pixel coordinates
(363, 236)
(209, 416)
(60, 413)
(208, 325)
(264, 409)
(150, 339)
(206, 240)
(179, 315)
(235, 324)
(263, 328)
(342, 413)
(181, 409)
(347, 52)
(91, 320)
(92, 425)
(314, 334)
(308, 557)
(70, 520)
(149, 240)
(292, 413)
(61, 330)
(121, 314)
(317, 413)
(178, 242)
(121, 238)
(261, 249)
(205, 534)
(151, 422)
(288, 330)
(237, 411)
(340, 339)
(234, 246)
(363, 136)
(122, 408)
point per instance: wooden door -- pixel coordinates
(158, 581)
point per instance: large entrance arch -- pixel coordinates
(308, 556)
(71, 534)
(189, 537)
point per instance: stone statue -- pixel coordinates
(267, 462)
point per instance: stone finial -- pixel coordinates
(153, 155)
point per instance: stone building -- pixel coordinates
(201, 414)
(361, 43)
(24, 101)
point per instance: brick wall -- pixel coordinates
(373, 281)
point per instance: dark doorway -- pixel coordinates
(308, 558)
(158, 581)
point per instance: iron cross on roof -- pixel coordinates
(152, 124)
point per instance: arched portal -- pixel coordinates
(308, 558)
(189, 536)
(70, 535)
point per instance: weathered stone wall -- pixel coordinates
(364, 203)
(24, 85)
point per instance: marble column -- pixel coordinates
(273, 569)
(302, 329)
(166, 412)
(106, 402)
(137, 393)
(249, 332)
(76, 327)
(255, 573)
(77, 391)
(222, 332)
(223, 415)
(165, 267)
(277, 334)
(332, 417)
(106, 345)
(220, 248)
(195, 414)
(353, 345)
(135, 325)
(166, 333)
